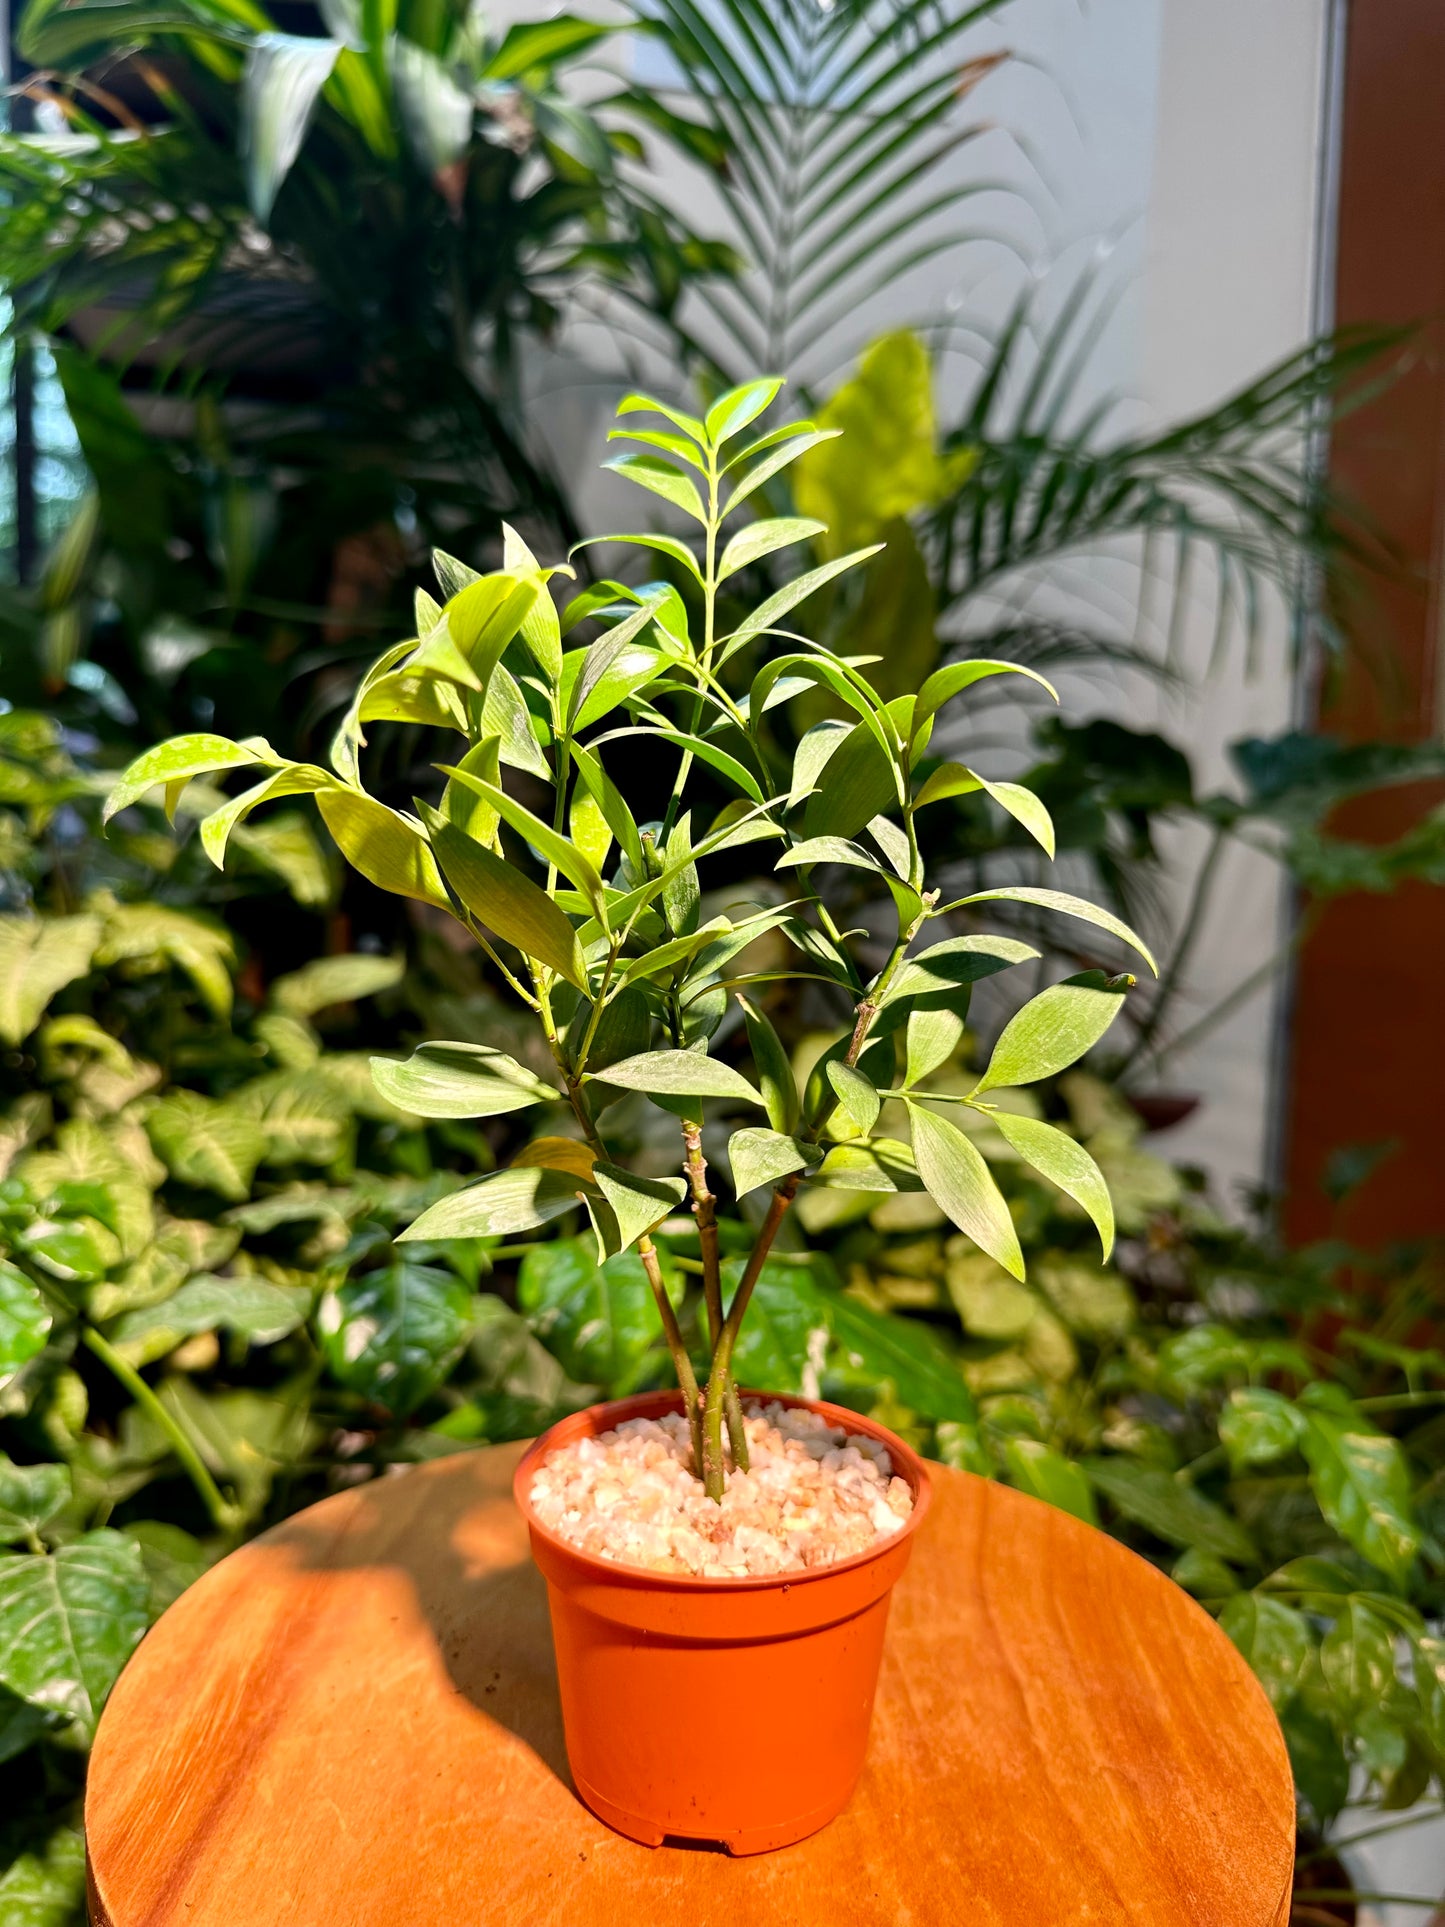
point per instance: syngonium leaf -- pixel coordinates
(252, 1308)
(678, 1073)
(38, 957)
(207, 1141)
(394, 1334)
(1037, 1469)
(1053, 1030)
(30, 1496)
(785, 1333)
(24, 1321)
(1259, 1426)
(335, 980)
(956, 1177)
(1065, 1163)
(69, 1620)
(46, 1888)
(1274, 1638)
(1362, 1481)
(1175, 1512)
(458, 1080)
(925, 1372)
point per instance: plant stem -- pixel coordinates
(225, 1516)
(719, 1378)
(704, 1210)
(672, 1332)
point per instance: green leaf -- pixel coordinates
(785, 1333)
(597, 786)
(502, 899)
(667, 545)
(732, 412)
(207, 1141)
(598, 1320)
(388, 850)
(828, 849)
(393, 1335)
(557, 849)
(958, 961)
(758, 539)
(956, 1177)
(328, 981)
(1037, 1469)
(1066, 905)
(801, 437)
(652, 472)
(861, 1103)
(250, 1307)
(858, 781)
(283, 80)
(769, 613)
(300, 779)
(172, 1558)
(813, 751)
(1274, 1638)
(24, 1321)
(925, 1373)
(773, 1069)
(1258, 1426)
(679, 1073)
(38, 957)
(178, 760)
(1052, 1031)
(944, 684)
(1317, 1760)
(499, 1205)
(934, 1033)
(543, 44)
(1152, 1497)
(1430, 1685)
(953, 779)
(634, 1205)
(1357, 1656)
(883, 1165)
(485, 616)
(69, 1620)
(458, 1080)
(505, 716)
(30, 1496)
(1065, 1163)
(1362, 1482)
(760, 1157)
(46, 1888)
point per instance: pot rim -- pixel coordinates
(906, 1464)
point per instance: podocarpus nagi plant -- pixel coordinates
(631, 988)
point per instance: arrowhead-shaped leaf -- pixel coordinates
(69, 1620)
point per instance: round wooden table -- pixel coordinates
(353, 1722)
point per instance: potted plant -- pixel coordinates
(718, 1567)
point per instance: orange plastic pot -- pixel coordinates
(733, 1711)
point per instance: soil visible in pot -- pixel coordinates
(814, 1494)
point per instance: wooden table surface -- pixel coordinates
(353, 1722)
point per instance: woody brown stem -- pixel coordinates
(704, 1211)
(672, 1333)
(720, 1378)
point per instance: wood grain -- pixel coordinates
(353, 1722)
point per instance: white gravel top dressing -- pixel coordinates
(814, 1494)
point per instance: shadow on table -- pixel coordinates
(461, 1547)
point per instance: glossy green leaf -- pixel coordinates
(855, 1093)
(458, 1080)
(1175, 1512)
(1037, 1469)
(732, 412)
(679, 1073)
(772, 1068)
(1258, 1426)
(758, 539)
(543, 44)
(785, 1334)
(956, 962)
(388, 850)
(24, 1321)
(883, 1165)
(1357, 1656)
(944, 684)
(598, 1320)
(1274, 1638)
(487, 614)
(250, 1307)
(505, 716)
(30, 1496)
(1318, 1760)
(960, 1182)
(759, 1157)
(504, 900)
(925, 1373)
(667, 545)
(69, 1620)
(393, 1335)
(934, 1033)
(1066, 905)
(661, 478)
(499, 1205)
(180, 759)
(634, 1204)
(1362, 1482)
(1065, 1162)
(1052, 1031)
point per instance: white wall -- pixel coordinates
(1184, 136)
